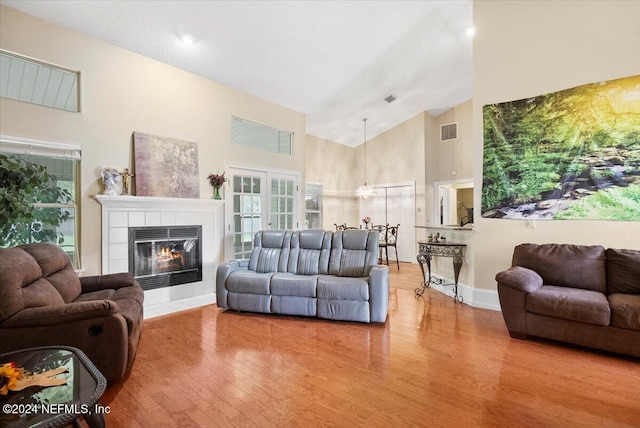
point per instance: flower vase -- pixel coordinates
(216, 192)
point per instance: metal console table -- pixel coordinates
(427, 250)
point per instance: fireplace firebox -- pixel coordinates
(165, 256)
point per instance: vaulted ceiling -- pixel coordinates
(335, 61)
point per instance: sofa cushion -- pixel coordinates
(56, 267)
(106, 294)
(294, 305)
(270, 251)
(288, 284)
(623, 271)
(249, 302)
(570, 303)
(345, 310)
(341, 288)
(565, 265)
(310, 251)
(625, 310)
(243, 281)
(353, 253)
(41, 293)
(17, 269)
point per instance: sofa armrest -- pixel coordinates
(61, 314)
(224, 270)
(379, 293)
(520, 279)
(513, 286)
(109, 281)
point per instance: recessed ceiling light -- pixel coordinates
(187, 39)
(471, 31)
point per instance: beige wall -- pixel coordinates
(123, 92)
(396, 156)
(524, 49)
(392, 157)
(337, 168)
(443, 158)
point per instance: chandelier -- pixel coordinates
(365, 192)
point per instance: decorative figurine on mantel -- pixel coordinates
(110, 178)
(126, 181)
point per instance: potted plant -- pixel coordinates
(23, 184)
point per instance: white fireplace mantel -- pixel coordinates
(121, 212)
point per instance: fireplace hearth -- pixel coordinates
(165, 256)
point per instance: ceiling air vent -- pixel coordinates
(391, 98)
(449, 132)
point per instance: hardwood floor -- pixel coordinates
(434, 363)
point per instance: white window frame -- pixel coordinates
(319, 186)
(26, 146)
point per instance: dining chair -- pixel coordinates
(388, 238)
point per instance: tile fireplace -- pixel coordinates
(173, 238)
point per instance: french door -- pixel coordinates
(258, 200)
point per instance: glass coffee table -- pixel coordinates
(54, 406)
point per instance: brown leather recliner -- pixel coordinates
(44, 302)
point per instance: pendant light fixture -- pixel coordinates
(365, 192)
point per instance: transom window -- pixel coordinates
(252, 134)
(37, 82)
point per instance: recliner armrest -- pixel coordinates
(379, 293)
(109, 281)
(223, 272)
(61, 314)
(520, 279)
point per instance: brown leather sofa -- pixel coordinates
(44, 302)
(584, 295)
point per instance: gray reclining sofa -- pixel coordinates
(309, 273)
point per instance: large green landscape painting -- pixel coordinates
(572, 154)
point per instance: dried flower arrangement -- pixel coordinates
(216, 180)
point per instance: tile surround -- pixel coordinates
(121, 212)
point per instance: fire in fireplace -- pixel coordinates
(165, 256)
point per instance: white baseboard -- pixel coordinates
(475, 297)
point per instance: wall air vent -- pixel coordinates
(449, 132)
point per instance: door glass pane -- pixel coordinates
(246, 185)
(248, 211)
(255, 205)
(282, 206)
(236, 203)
